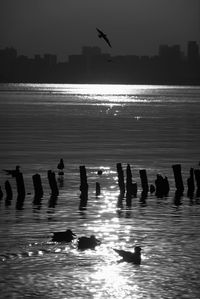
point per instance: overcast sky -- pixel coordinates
(62, 27)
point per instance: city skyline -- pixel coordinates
(63, 27)
(170, 66)
(183, 51)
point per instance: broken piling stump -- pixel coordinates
(83, 188)
(190, 184)
(20, 185)
(120, 174)
(144, 181)
(197, 179)
(98, 189)
(8, 188)
(38, 190)
(1, 193)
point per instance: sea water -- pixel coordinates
(148, 127)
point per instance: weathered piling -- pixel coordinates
(83, 188)
(8, 188)
(52, 183)
(190, 184)
(20, 185)
(128, 181)
(38, 190)
(178, 178)
(120, 174)
(144, 181)
(131, 188)
(1, 193)
(166, 186)
(162, 186)
(98, 189)
(134, 189)
(20, 191)
(197, 179)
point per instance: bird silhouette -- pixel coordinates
(66, 236)
(61, 165)
(130, 257)
(101, 34)
(13, 172)
(88, 242)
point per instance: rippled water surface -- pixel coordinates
(149, 127)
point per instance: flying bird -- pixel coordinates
(130, 257)
(101, 34)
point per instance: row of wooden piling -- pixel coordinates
(127, 189)
(38, 189)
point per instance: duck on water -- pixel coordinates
(66, 236)
(130, 257)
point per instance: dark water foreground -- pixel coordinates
(32, 266)
(98, 126)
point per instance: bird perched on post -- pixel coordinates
(13, 172)
(60, 167)
(101, 34)
(66, 236)
(130, 257)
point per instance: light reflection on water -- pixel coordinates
(147, 127)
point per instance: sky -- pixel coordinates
(62, 27)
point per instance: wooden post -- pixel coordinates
(144, 181)
(37, 183)
(120, 178)
(162, 186)
(53, 183)
(1, 193)
(159, 186)
(83, 188)
(20, 185)
(190, 184)
(134, 189)
(129, 188)
(166, 186)
(197, 178)
(128, 181)
(178, 178)
(98, 189)
(9, 193)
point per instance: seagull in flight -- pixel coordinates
(101, 34)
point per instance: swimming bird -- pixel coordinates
(130, 257)
(13, 172)
(104, 36)
(88, 242)
(66, 236)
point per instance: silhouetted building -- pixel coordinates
(170, 54)
(50, 59)
(93, 66)
(91, 51)
(192, 51)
